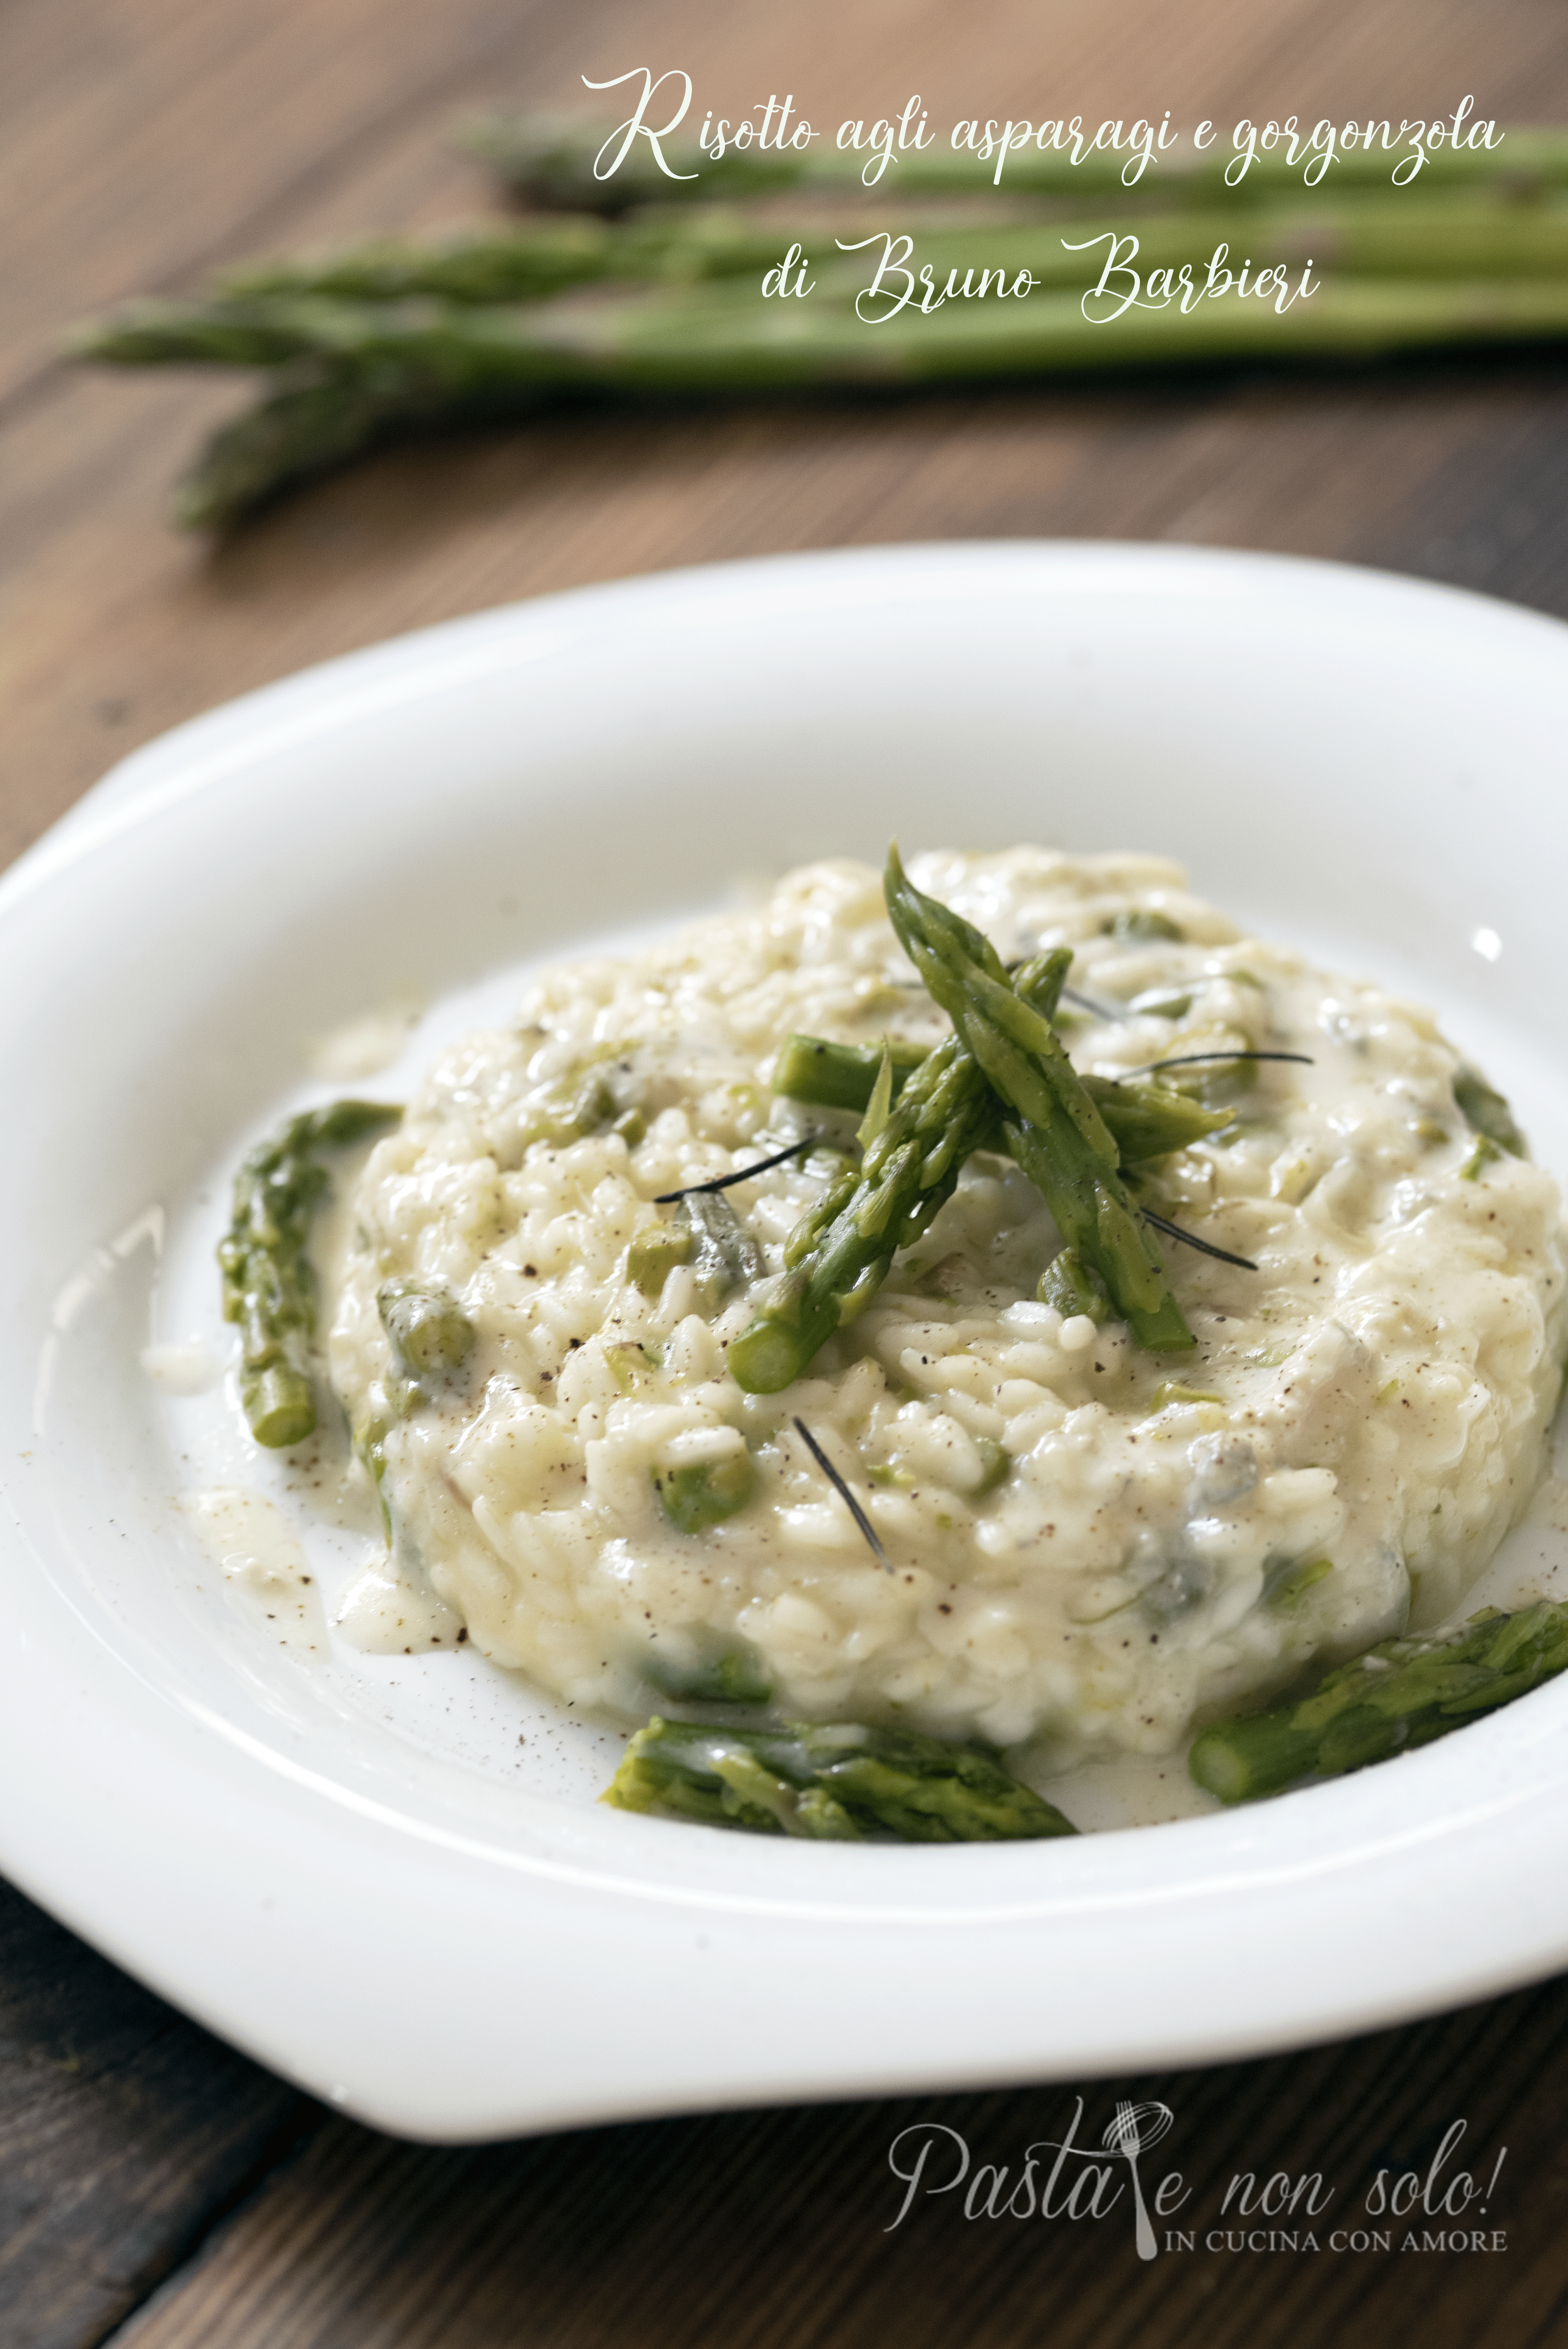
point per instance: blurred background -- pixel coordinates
(156, 2189)
(145, 142)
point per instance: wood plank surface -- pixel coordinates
(758, 2230)
(154, 2187)
(124, 2131)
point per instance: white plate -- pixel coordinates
(350, 1867)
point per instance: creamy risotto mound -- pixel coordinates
(1085, 1542)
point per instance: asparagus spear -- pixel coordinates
(840, 1076)
(1484, 234)
(269, 1288)
(721, 1676)
(838, 1255)
(1147, 1121)
(429, 1334)
(1068, 1283)
(1487, 1112)
(487, 264)
(550, 160)
(1056, 1132)
(1399, 1695)
(707, 1491)
(296, 433)
(523, 260)
(837, 1781)
(372, 368)
(656, 1252)
(722, 337)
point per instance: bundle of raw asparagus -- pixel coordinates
(651, 288)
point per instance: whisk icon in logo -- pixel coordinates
(1135, 2130)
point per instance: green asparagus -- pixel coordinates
(656, 1252)
(1483, 235)
(1056, 1131)
(429, 1334)
(1486, 1113)
(1068, 1283)
(1147, 1121)
(837, 1781)
(705, 1493)
(356, 371)
(1399, 1695)
(288, 438)
(269, 1288)
(490, 263)
(722, 338)
(1141, 925)
(527, 260)
(720, 1676)
(840, 1076)
(838, 1255)
(397, 336)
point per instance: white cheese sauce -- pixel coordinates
(387, 1611)
(364, 1047)
(248, 1536)
(178, 1370)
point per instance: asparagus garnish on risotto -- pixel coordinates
(269, 1288)
(831, 1781)
(1055, 1131)
(839, 1253)
(1147, 1121)
(1399, 1695)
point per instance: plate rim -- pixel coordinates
(201, 753)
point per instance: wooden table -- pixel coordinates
(151, 2180)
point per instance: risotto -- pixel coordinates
(1080, 1542)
